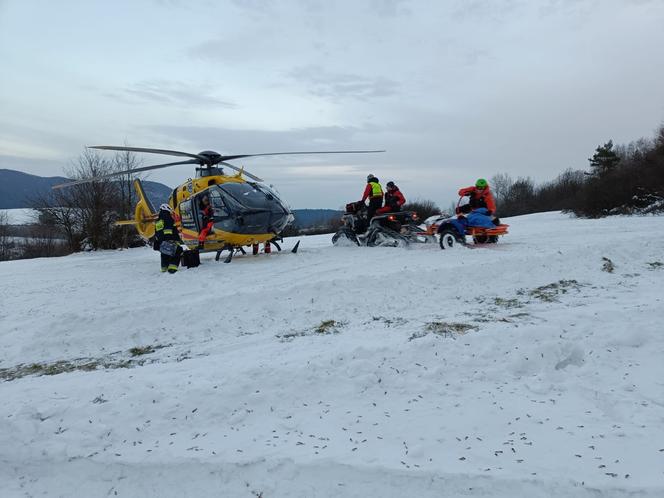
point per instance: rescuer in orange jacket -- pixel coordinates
(394, 199)
(374, 192)
(480, 196)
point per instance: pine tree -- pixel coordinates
(604, 159)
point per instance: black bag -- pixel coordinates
(168, 248)
(191, 258)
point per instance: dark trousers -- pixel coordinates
(375, 203)
(171, 263)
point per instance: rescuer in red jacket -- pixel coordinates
(374, 192)
(480, 196)
(394, 199)
(208, 220)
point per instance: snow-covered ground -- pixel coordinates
(530, 368)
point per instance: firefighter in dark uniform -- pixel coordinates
(166, 231)
(374, 192)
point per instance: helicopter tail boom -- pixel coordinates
(144, 213)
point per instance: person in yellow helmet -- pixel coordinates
(374, 192)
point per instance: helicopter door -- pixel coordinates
(187, 217)
(219, 209)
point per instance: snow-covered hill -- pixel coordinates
(530, 368)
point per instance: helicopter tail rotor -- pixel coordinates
(144, 213)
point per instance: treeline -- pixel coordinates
(29, 241)
(423, 207)
(623, 179)
(80, 217)
(85, 215)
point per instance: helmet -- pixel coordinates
(391, 185)
(481, 183)
(165, 207)
(370, 177)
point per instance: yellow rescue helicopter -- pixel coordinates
(245, 211)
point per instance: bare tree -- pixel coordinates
(520, 198)
(424, 208)
(58, 212)
(85, 214)
(5, 239)
(501, 184)
(123, 161)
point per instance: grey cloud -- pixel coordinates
(240, 141)
(391, 8)
(473, 10)
(338, 86)
(242, 48)
(254, 5)
(34, 166)
(172, 93)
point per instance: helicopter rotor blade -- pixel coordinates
(118, 173)
(244, 172)
(239, 156)
(150, 151)
(257, 179)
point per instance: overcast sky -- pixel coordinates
(453, 90)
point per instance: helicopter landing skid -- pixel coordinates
(232, 250)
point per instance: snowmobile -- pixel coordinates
(453, 230)
(397, 229)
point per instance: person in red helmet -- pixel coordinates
(394, 199)
(374, 192)
(480, 196)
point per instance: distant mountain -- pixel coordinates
(17, 189)
(307, 218)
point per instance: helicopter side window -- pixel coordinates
(218, 207)
(186, 216)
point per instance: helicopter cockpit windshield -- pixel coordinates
(244, 207)
(245, 195)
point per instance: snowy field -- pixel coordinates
(530, 368)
